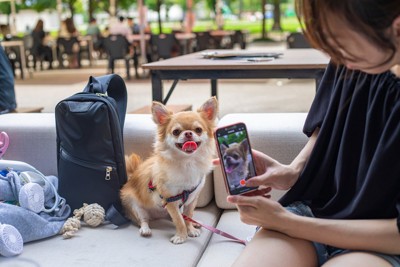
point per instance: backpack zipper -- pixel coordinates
(107, 169)
(108, 173)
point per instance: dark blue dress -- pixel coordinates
(354, 169)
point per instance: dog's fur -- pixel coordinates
(173, 168)
(235, 157)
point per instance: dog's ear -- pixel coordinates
(161, 114)
(209, 110)
(223, 148)
(244, 146)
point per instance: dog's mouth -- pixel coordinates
(231, 167)
(188, 146)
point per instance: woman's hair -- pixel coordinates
(370, 18)
(69, 23)
(39, 26)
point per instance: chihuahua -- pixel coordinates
(169, 181)
(235, 157)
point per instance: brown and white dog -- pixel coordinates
(171, 179)
(236, 162)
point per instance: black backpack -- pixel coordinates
(90, 149)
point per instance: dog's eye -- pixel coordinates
(236, 157)
(176, 132)
(198, 130)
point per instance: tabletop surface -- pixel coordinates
(290, 59)
(12, 43)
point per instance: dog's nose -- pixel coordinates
(188, 134)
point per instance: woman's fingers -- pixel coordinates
(259, 192)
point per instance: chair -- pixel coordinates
(69, 48)
(164, 46)
(30, 58)
(117, 47)
(239, 37)
(204, 41)
(37, 51)
(297, 40)
(14, 56)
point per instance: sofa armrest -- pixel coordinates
(32, 139)
(279, 135)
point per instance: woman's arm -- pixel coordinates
(374, 235)
(301, 159)
(380, 235)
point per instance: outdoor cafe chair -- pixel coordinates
(66, 49)
(164, 46)
(117, 47)
(14, 55)
(239, 37)
(297, 40)
(204, 41)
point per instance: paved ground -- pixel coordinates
(47, 88)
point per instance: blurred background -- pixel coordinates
(261, 18)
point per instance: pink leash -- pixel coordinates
(215, 230)
(4, 142)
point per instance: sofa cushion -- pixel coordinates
(107, 246)
(279, 135)
(33, 140)
(222, 251)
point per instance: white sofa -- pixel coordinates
(33, 140)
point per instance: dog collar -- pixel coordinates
(184, 196)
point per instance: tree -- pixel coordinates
(71, 6)
(277, 15)
(263, 28)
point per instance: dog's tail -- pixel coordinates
(132, 162)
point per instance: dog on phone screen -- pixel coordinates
(236, 162)
(170, 180)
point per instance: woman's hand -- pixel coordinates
(272, 173)
(260, 211)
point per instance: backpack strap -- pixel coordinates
(114, 86)
(115, 214)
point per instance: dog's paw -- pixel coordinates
(193, 232)
(196, 225)
(178, 239)
(145, 231)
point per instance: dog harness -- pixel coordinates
(184, 196)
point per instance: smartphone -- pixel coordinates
(260, 59)
(236, 159)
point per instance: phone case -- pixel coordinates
(234, 151)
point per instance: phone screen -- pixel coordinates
(236, 159)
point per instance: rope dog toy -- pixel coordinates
(93, 215)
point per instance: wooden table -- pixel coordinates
(20, 45)
(137, 37)
(294, 63)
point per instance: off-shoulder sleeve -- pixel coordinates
(322, 98)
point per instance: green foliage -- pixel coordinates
(5, 8)
(38, 5)
(125, 4)
(232, 138)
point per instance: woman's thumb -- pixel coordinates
(255, 181)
